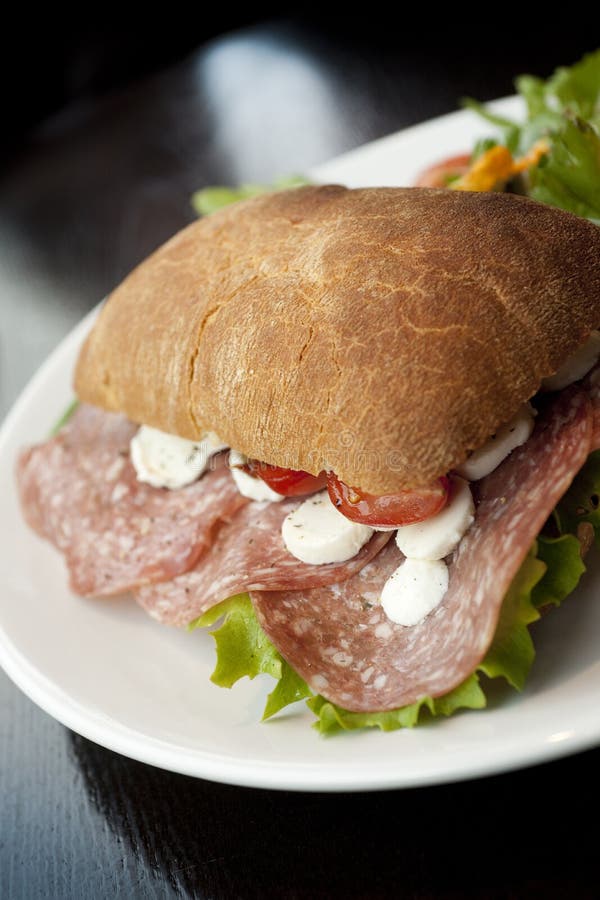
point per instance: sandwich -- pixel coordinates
(358, 426)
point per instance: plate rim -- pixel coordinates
(271, 775)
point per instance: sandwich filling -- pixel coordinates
(182, 551)
(399, 620)
(317, 531)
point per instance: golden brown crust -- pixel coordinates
(381, 332)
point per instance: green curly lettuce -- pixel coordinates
(574, 89)
(332, 718)
(210, 199)
(243, 649)
(569, 175)
(564, 567)
(564, 110)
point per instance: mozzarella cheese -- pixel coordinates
(167, 461)
(577, 365)
(414, 590)
(250, 486)
(487, 458)
(317, 533)
(439, 535)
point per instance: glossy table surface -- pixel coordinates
(88, 195)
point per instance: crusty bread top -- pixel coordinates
(382, 333)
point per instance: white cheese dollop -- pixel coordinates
(576, 366)
(414, 590)
(250, 486)
(317, 533)
(167, 461)
(439, 535)
(487, 458)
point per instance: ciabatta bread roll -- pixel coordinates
(383, 333)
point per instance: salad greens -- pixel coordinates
(210, 199)
(244, 649)
(581, 503)
(564, 110)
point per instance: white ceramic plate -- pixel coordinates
(107, 671)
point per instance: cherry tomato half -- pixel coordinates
(288, 482)
(388, 510)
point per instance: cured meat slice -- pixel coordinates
(339, 639)
(58, 479)
(80, 491)
(248, 553)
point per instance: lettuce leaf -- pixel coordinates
(242, 646)
(576, 89)
(210, 199)
(65, 417)
(581, 503)
(243, 649)
(289, 689)
(565, 110)
(510, 131)
(569, 176)
(511, 653)
(332, 718)
(572, 92)
(550, 571)
(564, 568)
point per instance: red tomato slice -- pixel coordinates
(288, 482)
(438, 174)
(388, 510)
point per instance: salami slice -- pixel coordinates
(338, 637)
(80, 491)
(248, 553)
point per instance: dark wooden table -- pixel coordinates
(88, 195)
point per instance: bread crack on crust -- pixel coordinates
(304, 347)
(412, 321)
